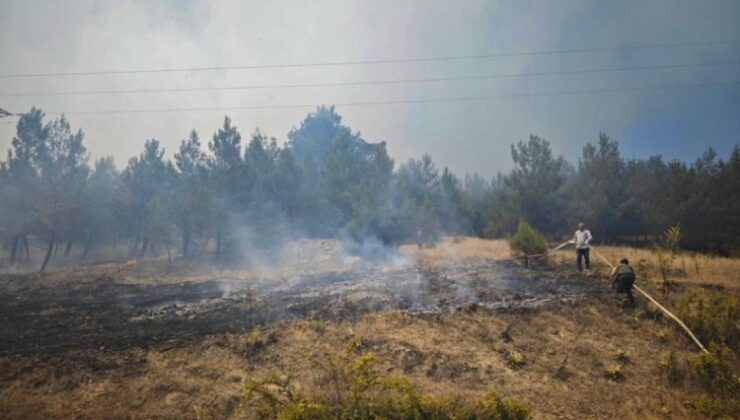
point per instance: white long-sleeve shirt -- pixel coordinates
(582, 238)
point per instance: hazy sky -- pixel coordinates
(69, 36)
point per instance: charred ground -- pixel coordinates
(107, 306)
(142, 340)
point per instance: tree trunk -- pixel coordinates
(136, 246)
(169, 256)
(143, 247)
(186, 240)
(88, 245)
(14, 248)
(217, 254)
(49, 249)
(56, 249)
(24, 239)
(67, 249)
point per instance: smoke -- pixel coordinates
(371, 248)
(82, 35)
(259, 241)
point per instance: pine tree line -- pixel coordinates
(224, 197)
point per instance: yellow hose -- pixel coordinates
(661, 307)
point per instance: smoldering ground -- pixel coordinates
(112, 306)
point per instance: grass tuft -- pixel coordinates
(515, 359)
(614, 373)
(622, 356)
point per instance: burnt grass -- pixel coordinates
(104, 312)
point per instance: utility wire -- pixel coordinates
(406, 101)
(369, 83)
(359, 62)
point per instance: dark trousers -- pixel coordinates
(583, 254)
(624, 285)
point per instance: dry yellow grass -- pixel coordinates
(462, 248)
(686, 267)
(448, 354)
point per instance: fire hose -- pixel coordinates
(647, 296)
(661, 307)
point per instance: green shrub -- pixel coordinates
(714, 371)
(515, 359)
(712, 317)
(491, 406)
(715, 408)
(269, 396)
(350, 387)
(527, 241)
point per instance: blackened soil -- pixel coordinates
(108, 314)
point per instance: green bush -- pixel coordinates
(515, 359)
(712, 317)
(350, 387)
(527, 241)
(715, 408)
(714, 371)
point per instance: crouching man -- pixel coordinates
(623, 279)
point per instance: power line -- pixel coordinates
(368, 83)
(359, 62)
(405, 101)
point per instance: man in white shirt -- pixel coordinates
(582, 238)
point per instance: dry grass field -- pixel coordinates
(445, 354)
(461, 248)
(684, 267)
(584, 358)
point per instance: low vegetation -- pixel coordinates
(515, 359)
(715, 373)
(527, 241)
(351, 387)
(671, 368)
(614, 372)
(712, 316)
